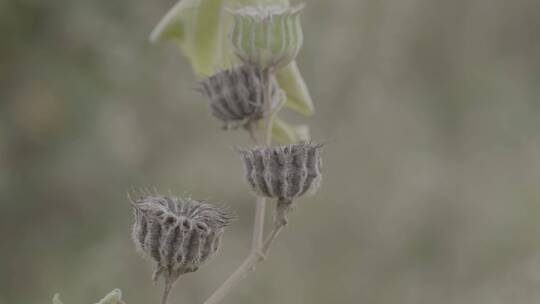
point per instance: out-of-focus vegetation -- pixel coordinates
(113, 297)
(430, 109)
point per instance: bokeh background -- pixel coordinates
(431, 114)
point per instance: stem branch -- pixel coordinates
(240, 273)
(258, 225)
(258, 248)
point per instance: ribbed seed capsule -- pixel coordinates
(236, 95)
(283, 172)
(179, 234)
(269, 36)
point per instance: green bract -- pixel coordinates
(285, 133)
(267, 36)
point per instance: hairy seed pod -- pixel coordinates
(179, 234)
(269, 36)
(283, 172)
(236, 95)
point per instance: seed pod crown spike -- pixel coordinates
(178, 234)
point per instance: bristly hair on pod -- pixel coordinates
(283, 172)
(178, 234)
(236, 95)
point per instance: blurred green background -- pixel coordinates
(431, 114)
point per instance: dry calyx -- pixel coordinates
(283, 172)
(178, 234)
(236, 95)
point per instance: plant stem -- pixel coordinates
(258, 253)
(165, 295)
(267, 95)
(166, 289)
(251, 131)
(272, 236)
(240, 273)
(258, 248)
(283, 208)
(258, 225)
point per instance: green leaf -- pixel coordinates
(173, 26)
(56, 299)
(114, 297)
(291, 81)
(206, 39)
(283, 132)
(194, 25)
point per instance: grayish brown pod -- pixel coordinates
(283, 172)
(179, 234)
(236, 95)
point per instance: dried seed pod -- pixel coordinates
(283, 172)
(179, 234)
(236, 95)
